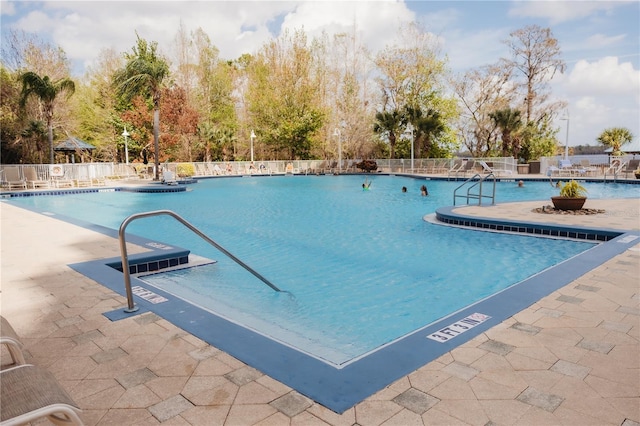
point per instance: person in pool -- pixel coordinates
(404, 189)
(424, 191)
(366, 185)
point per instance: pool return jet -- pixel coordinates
(131, 307)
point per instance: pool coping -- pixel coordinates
(341, 387)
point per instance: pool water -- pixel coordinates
(361, 268)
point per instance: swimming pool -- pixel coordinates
(321, 238)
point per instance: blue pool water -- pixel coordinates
(363, 267)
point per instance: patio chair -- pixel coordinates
(10, 339)
(33, 180)
(589, 170)
(169, 178)
(12, 179)
(631, 167)
(493, 170)
(29, 393)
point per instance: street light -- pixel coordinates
(410, 131)
(337, 133)
(253, 136)
(566, 142)
(126, 146)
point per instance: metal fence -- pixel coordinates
(100, 173)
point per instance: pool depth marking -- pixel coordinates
(449, 332)
(148, 295)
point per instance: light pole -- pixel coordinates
(253, 136)
(410, 131)
(566, 142)
(126, 146)
(339, 135)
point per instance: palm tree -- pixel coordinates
(46, 91)
(143, 75)
(510, 123)
(427, 126)
(615, 137)
(388, 123)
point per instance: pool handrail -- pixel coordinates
(125, 259)
(472, 182)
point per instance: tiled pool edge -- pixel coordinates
(447, 215)
(341, 388)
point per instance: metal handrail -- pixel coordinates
(479, 196)
(125, 259)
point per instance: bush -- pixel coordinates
(367, 165)
(185, 169)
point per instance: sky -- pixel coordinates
(599, 40)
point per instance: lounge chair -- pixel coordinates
(10, 339)
(589, 170)
(32, 179)
(631, 167)
(495, 171)
(58, 179)
(29, 393)
(11, 179)
(169, 178)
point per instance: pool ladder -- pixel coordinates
(131, 307)
(472, 183)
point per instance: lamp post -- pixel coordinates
(566, 142)
(253, 136)
(339, 135)
(410, 132)
(126, 146)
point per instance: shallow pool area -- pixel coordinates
(396, 229)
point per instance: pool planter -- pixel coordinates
(568, 203)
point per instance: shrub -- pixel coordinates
(185, 169)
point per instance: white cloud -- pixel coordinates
(597, 41)
(559, 11)
(604, 77)
(7, 8)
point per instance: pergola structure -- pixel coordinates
(72, 146)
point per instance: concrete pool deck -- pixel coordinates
(571, 358)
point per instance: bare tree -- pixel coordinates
(481, 92)
(536, 54)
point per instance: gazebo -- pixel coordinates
(72, 146)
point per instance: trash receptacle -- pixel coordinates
(534, 167)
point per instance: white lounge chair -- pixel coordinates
(29, 393)
(495, 171)
(33, 180)
(11, 179)
(10, 339)
(169, 178)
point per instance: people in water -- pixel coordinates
(366, 185)
(404, 189)
(520, 184)
(423, 190)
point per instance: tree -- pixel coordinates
(46, 91)
(427, 127)
(480, 92)
(283, 96)
(389, 124)
(144, 74)
(510, 123)
(536, 54)
(615, 137)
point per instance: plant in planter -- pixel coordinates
(572, 196)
